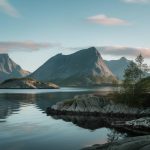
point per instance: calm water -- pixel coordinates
(24, 124)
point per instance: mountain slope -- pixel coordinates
(9, 69)
(118, 66)
(85, 67)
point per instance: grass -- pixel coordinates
(68, 102)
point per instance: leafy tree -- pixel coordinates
(133, 74)
(142, 67)
(131, 77)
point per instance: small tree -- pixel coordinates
(134, 73)
(142, 67)
(131, 77)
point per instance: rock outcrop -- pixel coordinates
(96, 104)
(113, 115)
(83, 68)
(26, 83)
(132, 143)
(141, 122)
(9, 69)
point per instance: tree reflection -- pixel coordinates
(114, 136)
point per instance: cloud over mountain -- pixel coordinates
(25, 45)
(106, 20)
(125, 51)
(136, 1)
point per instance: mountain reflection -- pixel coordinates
(87, 122)
(11, 103)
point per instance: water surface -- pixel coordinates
(24, 124)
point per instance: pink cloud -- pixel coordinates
(136, 1)
(105, 20)
(6, 47)
(125, 51)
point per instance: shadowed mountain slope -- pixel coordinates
(85, 67)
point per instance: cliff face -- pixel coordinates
(9, 69)
(85, 67)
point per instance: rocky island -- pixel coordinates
(26, 83)
(90, 103)
(115, 115)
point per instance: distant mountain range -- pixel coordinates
(118, 66)
(85, 67)
(9, 69)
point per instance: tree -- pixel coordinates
(131, 77)
(142, 67)
(133, 74)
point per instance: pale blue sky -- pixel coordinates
(70, 23)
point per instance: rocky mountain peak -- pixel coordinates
(84, 67)
(9, 69)
(90, 51)
(123, 59)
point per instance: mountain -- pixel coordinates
(118, 66)
(85, 67)
(9, 69)
(26, 83)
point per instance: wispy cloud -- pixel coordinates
(9, 9)
(124, 51)
(136, 1)
(105, 20)
(6, 47)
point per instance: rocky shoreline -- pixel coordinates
(97, 120)
(132, 143)
(95, 111)
(96, 104)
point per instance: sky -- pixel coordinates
(32, 31)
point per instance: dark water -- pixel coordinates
(24, 124)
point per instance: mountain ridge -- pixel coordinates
(84, 67)
(118, 66)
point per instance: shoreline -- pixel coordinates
(112, 115)
(109, 120)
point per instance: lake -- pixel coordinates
(24, 125)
